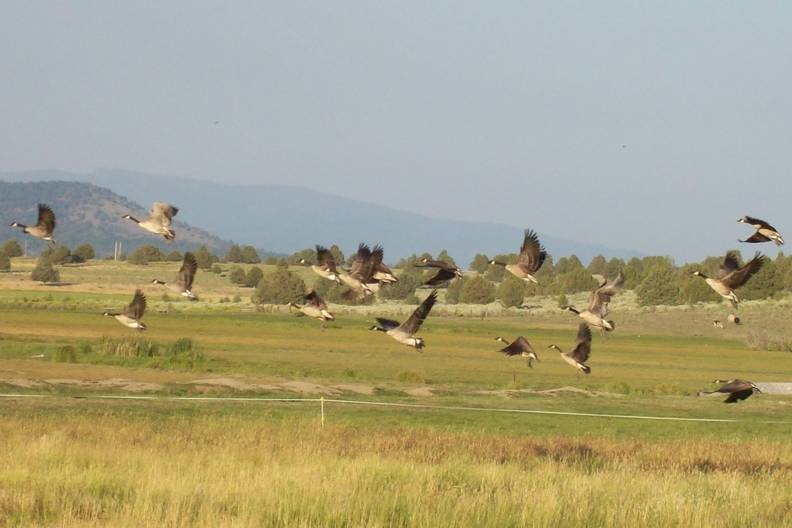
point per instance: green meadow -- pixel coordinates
(69, 457)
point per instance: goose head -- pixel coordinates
(419, 343)
(556, 348)
(743, 220)
(157, 281)
(571, 309)
(500, 339)
(494, 262)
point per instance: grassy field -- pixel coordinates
(68, 458)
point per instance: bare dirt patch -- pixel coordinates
(421, 392)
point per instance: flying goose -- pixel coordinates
(519, 347)
(599, 301)
(133, 313)
(184, 279)
(405, 333)
(445, 273)
(764, 231)
(314, 307)
(578, 356)
(532, 256)
(325, 265)
(737, 389)
(732, 276)
(159, 221)
(381, 273)
(360, 276)
(44, 228)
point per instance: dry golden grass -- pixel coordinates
(126, 465)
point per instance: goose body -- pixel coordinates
(325, 265)
(45, 226)
(184, 279)
(445, 271)
(578, 356)
(314, 307)
(532, 256)
(404, 333)
(132, 314)
(381, 273)
(360, 275)
(737, 390)
(764, 231)
(519, 347)
(732, 276)
(598, 308)
(159, 220)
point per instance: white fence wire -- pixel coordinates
(322, 401)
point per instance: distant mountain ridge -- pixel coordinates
(87, 213)
(284, 219)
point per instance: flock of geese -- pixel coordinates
(368, 273)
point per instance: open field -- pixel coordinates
(69, 459)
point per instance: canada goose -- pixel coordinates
(159, 220)
(325, 265)
(717, 324)
(519, 347)
(184, 279)
(737, 390)
(381, 273)
(359, 277)
(133, 313)
(732, 276)
(44, 228)
(532, 256)
(314, 307)
(445, 273)
(598, 304)
(764, 231)
(405, 333)
(580, 354)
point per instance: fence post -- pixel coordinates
(321, 403)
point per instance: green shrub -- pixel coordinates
(562, 301)
(408, 282)
(477, 291)
(249, 255)
(237, 275)
(44, 271)
(511, 291)
(659, 287)
(204, 258)
(454, 291)
(174, 256)
(84, 252)
(12, 248)
(145, 254)
(5, 262)
(480, 263)
(279, 287)
(253, 277)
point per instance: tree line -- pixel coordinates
(656, 280)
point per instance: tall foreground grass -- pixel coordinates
(118, 467)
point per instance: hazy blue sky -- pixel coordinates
(652, 126)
